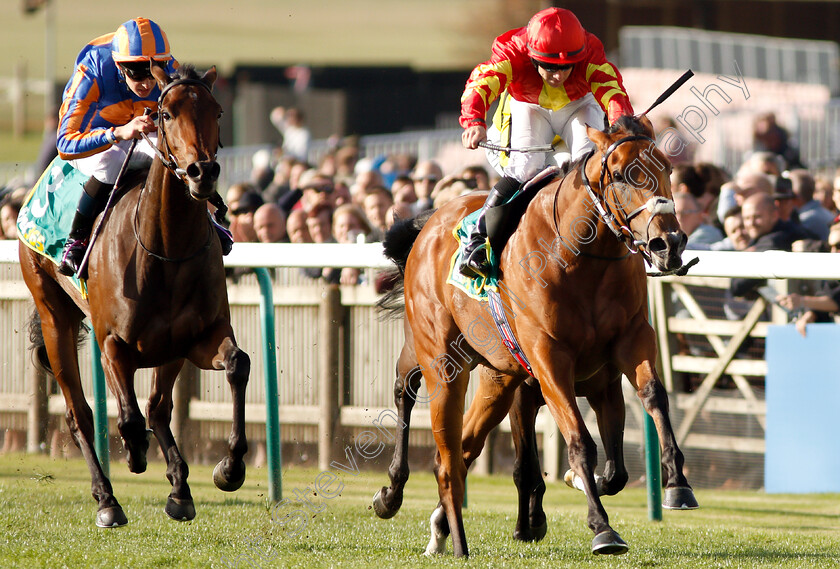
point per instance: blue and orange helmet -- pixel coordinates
(140, 39)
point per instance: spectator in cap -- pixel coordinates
(242, 216)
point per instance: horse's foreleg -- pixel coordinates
(555, 370)
(179, 505)
(229, 473)
(530, 521)
(119, 370)
(387, 502)
(637, 363)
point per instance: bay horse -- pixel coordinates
(576, 298)
(156, 297)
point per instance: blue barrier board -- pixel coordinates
(803, 410)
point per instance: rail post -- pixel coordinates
(329, 319)
(100, 407)
(272, 418)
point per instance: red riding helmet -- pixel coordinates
(556, 36)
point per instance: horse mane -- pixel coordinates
(399, 240)
(187, 71)
(628, 124)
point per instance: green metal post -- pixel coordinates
(653, 463)
(272, 426)
(100, 407)
(654, 470)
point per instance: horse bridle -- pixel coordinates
(656, 205)
(168, 160)
(171, 164)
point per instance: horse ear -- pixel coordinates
(210, 76)
(647, 125)
(601, 139)
(161, 76)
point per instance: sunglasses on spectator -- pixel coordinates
(554, 67)
(137, 70)
(242, 211)
(325, 188)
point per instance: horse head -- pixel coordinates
(633, 177)
(189, 128)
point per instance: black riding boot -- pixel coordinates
(91, 203)
(217, 219)
(474, 261)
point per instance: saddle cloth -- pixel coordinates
(478, 287)
(47, 213)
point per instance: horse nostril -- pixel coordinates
(194, 171)
(215, 170)
(657, 245)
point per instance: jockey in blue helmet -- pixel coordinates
(102, 110)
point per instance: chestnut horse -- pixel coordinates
(577, 303)
(156, 297)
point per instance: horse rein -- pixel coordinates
(171, 164)
(656, 205)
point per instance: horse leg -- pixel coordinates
(530, 521)
(221, 352)
(636, 359)
(60, 323)
(608, 403)
(179, 505)
(119, 368)
(559, 393)
(446, 382)
(387, 501)
(489, 406)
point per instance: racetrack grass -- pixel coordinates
(47, 515)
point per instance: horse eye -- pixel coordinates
(617, 176)
(165, 116)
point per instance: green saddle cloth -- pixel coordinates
(47, 213)
(475, 287)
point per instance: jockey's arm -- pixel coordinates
(472, 135)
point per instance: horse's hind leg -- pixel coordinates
(60, 323)
(179, 505)
(229, 473)
(387, 501)
(607, 400)
(491, 403)
(530, 522)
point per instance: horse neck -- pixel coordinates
(563, 216)
(169, 222)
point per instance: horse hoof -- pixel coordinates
(680, 498)
(112, 517)
(229, 478)
(608, 542)
(179, 510)
(383, 511)
(533, 533)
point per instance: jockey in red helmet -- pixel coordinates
(102, 109)
(557, 80)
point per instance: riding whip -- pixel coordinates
(670, 90)
(497, 148)
(123, 168)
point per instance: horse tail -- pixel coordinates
(37, 344)
(397, 245)
(36, 341)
